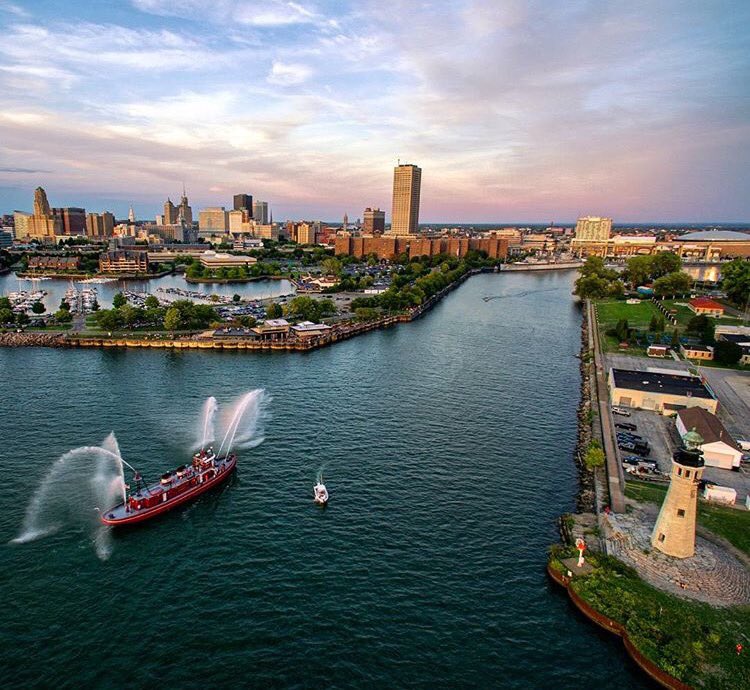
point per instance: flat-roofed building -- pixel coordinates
(705, 352)
(407, 184)
(124, 261)
(374, 221)
(100, 224)
(21, 224)
(659, 391)
(211, 259)
(72, 220)
(213, 220)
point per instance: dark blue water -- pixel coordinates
(446, 445)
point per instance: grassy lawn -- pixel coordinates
(730, 523)
(689, 640)
(611, 311)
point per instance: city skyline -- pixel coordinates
(519, 113)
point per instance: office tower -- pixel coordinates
(170, 213)
(260, 212)
(374, 221)
(100, 224)
(72, 220)
(131, 216)
(244, 202)
(42, 224)
(407, 182)
(213, 220)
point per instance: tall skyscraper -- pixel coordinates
(213, 220)
(244, 202)
(374, 221)
(407, 183)
(42, 224)
(170, 213)
(131, 216)
(260, 212)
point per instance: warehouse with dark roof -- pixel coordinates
(659, 390)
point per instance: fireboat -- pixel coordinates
(173, 489)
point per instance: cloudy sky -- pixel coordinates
(516, 110)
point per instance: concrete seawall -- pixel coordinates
(648, 666)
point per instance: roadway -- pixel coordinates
(615, 476)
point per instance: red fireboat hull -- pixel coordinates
(161, 508)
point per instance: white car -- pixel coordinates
(621, 411)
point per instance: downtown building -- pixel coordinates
(389, 246)
(407, 184)
(374, 221)
(100, 224)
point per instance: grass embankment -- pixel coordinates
(730, 523)
(639, 316)
(689, 640)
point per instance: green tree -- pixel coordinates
(331, 266)
(63, 316)
(172, 319)
(108, 319)
(665, 263)
(638, 270)
(594, 456)
(675, 342)
(274, 311)
(677, 283)
(697, 324)
(5, 303)
(236, 298)
(38, 308)
(622, 329)
(366, 314)
(151, 302)
(22, 318)
(735, 280)
(6, 315)
(247, 321)
(591, 287)
(119, 300)
(727, 352)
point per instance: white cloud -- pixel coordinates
(261, 14)
(288, 74)
(15, 10)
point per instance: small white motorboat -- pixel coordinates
(320, 493)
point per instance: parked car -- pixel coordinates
(629, 460)
(626, 425)
(621, 411)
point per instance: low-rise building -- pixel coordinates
(739, 335)
(705, 352)
(704, 305)
(272, 329)
(658, 350)
(719, 448)
(211, 259)
(308, 329)
(124, 261)
(54, 263)
(659, 390)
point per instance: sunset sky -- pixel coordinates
(515, 110)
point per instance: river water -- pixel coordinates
(446, 447)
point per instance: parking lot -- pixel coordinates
(662, 436)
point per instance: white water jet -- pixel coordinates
(66, 497)
(207, 426)
(245, 421)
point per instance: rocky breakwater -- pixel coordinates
(586, 500)
(35, 339)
